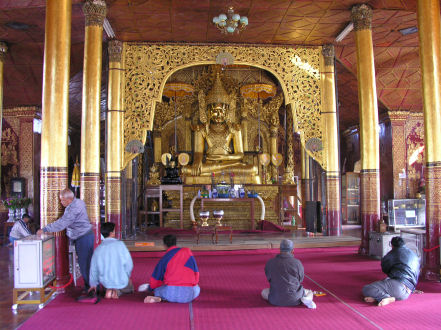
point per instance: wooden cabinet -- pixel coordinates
(289, 206)
(170, 187)
(350, 198)
(156, 193)
(151, 197)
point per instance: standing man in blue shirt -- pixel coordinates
(111, 265)
(78, 228)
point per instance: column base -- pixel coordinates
(333, 220)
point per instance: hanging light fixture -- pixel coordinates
(230, 22)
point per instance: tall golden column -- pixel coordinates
(429, 34)
(115, 114)
(306, 183)
(361, 16)
(55, 102)
(289, 168)
(95, 12)
(333, 214)
(274, 131)
(3, 51)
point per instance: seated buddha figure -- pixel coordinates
(219, 139)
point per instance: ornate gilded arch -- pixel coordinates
(148, 66)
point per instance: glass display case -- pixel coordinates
(350, 197)
(407, 213)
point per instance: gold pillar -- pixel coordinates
(245, 129)
(157, 145)
(187, 134)
(361, 16)
(95, 12)
(55, 102)
(3, 51)
(289, 168)
(305, 183)
(274, 131)
(329, 113)
(429, 34)
(115, 115)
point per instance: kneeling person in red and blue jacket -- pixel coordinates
(175, 277)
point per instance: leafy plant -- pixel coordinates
(16, 203)
(24, 202)
(11, 203)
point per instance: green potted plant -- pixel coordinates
(23, 204)
(11, 204)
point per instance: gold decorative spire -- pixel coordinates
(217, 94)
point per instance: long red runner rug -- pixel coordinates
(231, 283)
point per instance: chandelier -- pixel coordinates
(230, 22)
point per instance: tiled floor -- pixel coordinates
(11, 320)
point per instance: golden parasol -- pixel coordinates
(175, 90)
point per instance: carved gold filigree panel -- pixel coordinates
(148, 66)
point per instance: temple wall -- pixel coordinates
(18, 152)
(401, 153)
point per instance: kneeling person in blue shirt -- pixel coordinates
(111, 264)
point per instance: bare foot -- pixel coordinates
(152, 300)
(386, 301)
(109, 293)
(369, 299)
(115, 294)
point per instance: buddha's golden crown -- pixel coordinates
(217, 94)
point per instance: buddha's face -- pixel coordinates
(218, 112)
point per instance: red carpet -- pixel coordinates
(231, 283)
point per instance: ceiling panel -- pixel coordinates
(286, 22)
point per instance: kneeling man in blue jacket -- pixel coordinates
(111, 264)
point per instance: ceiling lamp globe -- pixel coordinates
(230, 29)
(230, 22)
(222, 17)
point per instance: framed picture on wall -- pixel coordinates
(18, 187)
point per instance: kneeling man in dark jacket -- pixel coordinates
(402, 267)
(285, 275)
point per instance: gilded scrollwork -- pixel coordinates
(148, 66)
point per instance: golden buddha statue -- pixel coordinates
(223, 137)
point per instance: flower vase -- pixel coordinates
(17, 215)
(11, 214)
